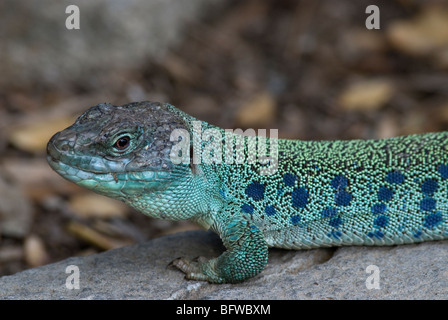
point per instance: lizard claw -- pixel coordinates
(197, 271)
(184, 265)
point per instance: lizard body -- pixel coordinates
(322, 193)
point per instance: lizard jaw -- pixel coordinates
(114, 183)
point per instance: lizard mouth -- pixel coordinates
(60, 155)
(86, 178)
(119, 183)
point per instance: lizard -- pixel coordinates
(323, 193)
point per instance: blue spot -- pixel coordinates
(381, 221)
(429, 186)
(315, 167)
(342, 198)
(432, 220)
(339, 182)
(443, 170)
(270, 210)
(418, 233)
(300, 197)
(377, 234)
(289, 179)
(335, 222)
(428, 204)
(378, 208)
(395, 177)
(295, 220)
(385, 194)
(255, 190)
(247, 208)
(335, 234)
(222, 193)
(329, 212)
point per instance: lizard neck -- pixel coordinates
(184, 198)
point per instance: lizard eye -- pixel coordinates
(122, 143)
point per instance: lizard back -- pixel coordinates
(355, 192)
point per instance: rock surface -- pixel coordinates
(143, 271)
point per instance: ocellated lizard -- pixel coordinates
(322, 193)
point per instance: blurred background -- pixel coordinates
(310, 69)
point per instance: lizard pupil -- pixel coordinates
(122, 143)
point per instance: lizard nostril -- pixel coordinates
(61, 142)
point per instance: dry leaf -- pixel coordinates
(34, 137)
(36, 178)
(423, 34)
(94, 237)
(258, 111)
(94, 205)
(35, 252)
(366, 95)
(10, 253)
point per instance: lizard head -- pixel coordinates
(120, 151)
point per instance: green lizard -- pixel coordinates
(318, 194)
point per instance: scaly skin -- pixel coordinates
(323, 193)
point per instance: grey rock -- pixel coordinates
(143, 271)
(114, 36)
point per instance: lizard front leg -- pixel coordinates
(245, 257)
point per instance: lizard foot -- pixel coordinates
(245, 257)
(203, 270)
